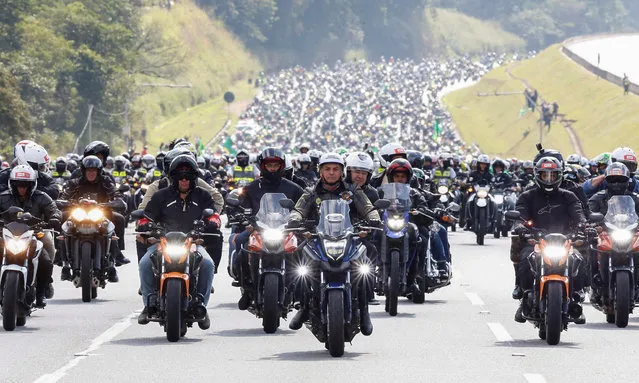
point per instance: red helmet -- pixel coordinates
(399, 165)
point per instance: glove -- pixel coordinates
(145, 227)
(55, 223)
(294, 224)
(375, 223)
(213, 222)
(521, 230)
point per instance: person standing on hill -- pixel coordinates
(626, 84)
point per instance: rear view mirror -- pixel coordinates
(207, 213)
(596, 217)
(62, 204)
(512, 215)
(232, 202)
(454, 207)
(138, 214)
(382, 204)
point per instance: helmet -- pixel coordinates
(617, 178)
(304, 159)
(136, 159)
(399, 165)
(188, 145)
(33, 155)
(391, 150)
(415, 159)
(148, 161)
(514, 164)
(183, 166)
(305, 147)
(626, 156)
(119, 163)
(60, 164)
(420, 177)
(109, 162)
(583, 173)
(499, 162)
(91, 162)
(72, 165)
(126, 155)
(549, 153)
(602, 161)
(159, 160)
(4, 165)
(271, 155)
(171, 155)
(175, 142)
(573, 159)
(200, 162)
(288, 167)
(242, 158)
(331, 158)
(360, 161)
(548, 173)
(315, 155)
(570, 173)
(231, 160)
(96, 148)
(527, 165)
(483, 159)
(23, 174)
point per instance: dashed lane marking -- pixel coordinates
(534, 378)
(474, 299)
(500, 332)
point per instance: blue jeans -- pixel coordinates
(149, 283)
(235, 242)
(438, 243)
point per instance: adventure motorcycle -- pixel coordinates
(481, 207)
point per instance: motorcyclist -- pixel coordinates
(23, 194)
(176, 208)
(480, 176)
(552, 209)
(526, 174)
(272, 163)
(331, 187)
(444, 170)
(34, 155)
(205, 174)
(60, 174)
(388, 153)
(290, 174)
(102, 190)
(626, 156)
(617, 183)
(243, 171)
(305, 172)
(501, 179)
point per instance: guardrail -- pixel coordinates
(634, 88)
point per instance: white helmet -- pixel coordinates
(573, 159)
(148, 161)
(331, 158)
(483, 159)
(626, 156)
(23, 173)
(360, 161)
(33, 155)
(389, 150)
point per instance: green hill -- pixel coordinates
(603, 117)
(212, 60)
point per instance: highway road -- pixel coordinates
(618, 54)
(464, 332)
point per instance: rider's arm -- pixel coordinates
(302, 207)
(364, 206)
(149, 193)
(218, 200)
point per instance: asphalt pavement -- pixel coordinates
(463, 332)
(615, 54)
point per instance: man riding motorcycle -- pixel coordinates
(623, 155)
(389, 152)
(331, 186)
(243, 171)
(176, 208)
(23, 194)
(34, 155)
(552, 209)
(60, 174)
(305, 172)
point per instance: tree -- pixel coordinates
(15, 124)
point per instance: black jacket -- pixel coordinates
(576, 189)
(253, 192)
(598, 203)
(40, 205)
(502, 181)
(309, 176)
(46, 183)
(371, 193)
(559, 212)
(477, 177)
(177, 214)
(102, 191)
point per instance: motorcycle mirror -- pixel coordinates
(454, 207)
(125, 188)
(138, 214)
(13, 210)
(287, 204)
(62, 204)
(512, 215)
(382, 204)
(233, 202)
(207, 213)
(596, 217)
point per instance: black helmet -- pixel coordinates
(549, 153)
(415, 158)
(184, 166)
(72, 165)
(175, 142)
(617, 178)
(119, 163)
(499, 163)
(399, 165)
(91, 162)
(272, 155)
(159, 160)
(242, 158)
(548, 173)
(61, 165)
(172, 154)
(97, 147)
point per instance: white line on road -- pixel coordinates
(106, 336)
(500, 332)
(534, 378)
(474, 299)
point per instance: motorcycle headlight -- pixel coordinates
(396, 223)
(621, 236)
(555, 253)
(499, 199)
(272, 235)
(335, 248)
(482, 193)
(442, 189)
(78, 214)
(95, 215)
(16, 245)
(175, 252)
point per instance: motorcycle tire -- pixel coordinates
(393, 283)
(610, 318)
(480, 239)
(622, 299)
(86, 271)
(21, 321)
(271, 307)
(335, 323)
(10, 300)
(554, 313)
(173, 304)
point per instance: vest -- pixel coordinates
(243, 174)
(116, 173)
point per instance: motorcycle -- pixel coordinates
(481, 205)
(448, 195)
(22, 250)
(176, 265)
(505, 200)
(553, 263)
(87, 236)
(332, 258)
(618, 249)
(269, 246)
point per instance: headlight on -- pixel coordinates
(175, 252)
(272, 235)
(335, 248)
(621, 236)
(499, 199)
(555, 253)
(482, 194)
(442, 189)
(96, 215)
(396, 224)
(16, 245)
(78, 214)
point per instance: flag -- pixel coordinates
(437, 130)
(200, 147)
(228, 146)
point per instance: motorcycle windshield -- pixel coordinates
(398, 195)
(621, 212)
(271, 215)
(334, 218)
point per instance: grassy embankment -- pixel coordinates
(214, 61)
(604, 117)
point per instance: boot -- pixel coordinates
(244, 302)
(299, 319)
(112, 275)
(120, 259)
(365, 324)
(41, 300)
(205, 323)
(49, 291)
(143, 318)
(65, 274)
(443, 269)
(518, 293)
(519, 316)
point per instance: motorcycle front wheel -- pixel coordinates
(271, 306)
(10, 300)
(335, 325)
(554, 313)
(173, 305)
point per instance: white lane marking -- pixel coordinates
(535, 378)
(101, 339)
(474, 299)
(500, 332)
